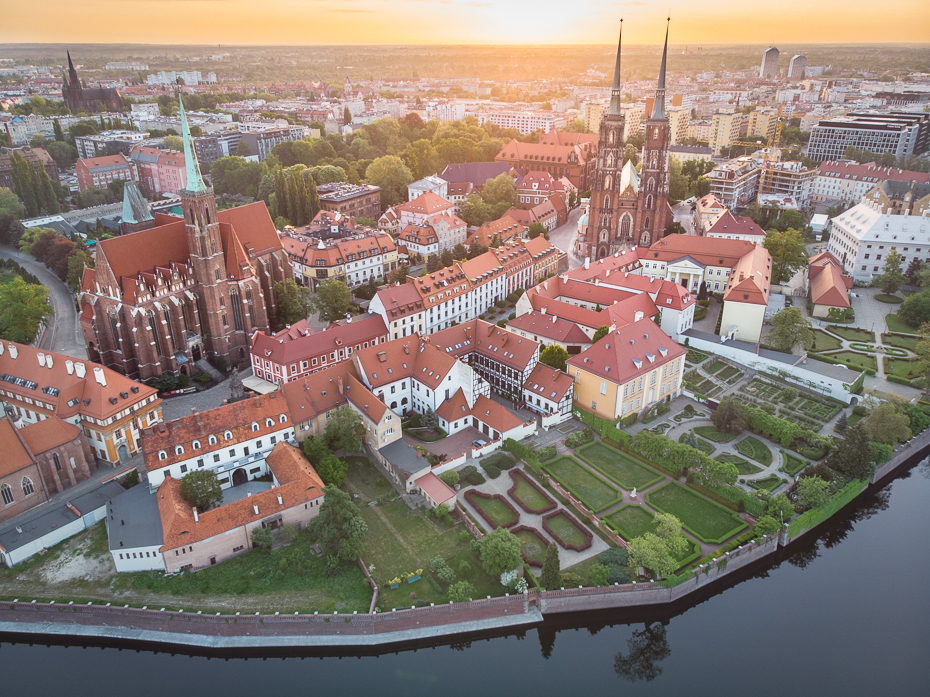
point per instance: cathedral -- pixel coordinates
(78, 98)
(176, 290)
(629, 207)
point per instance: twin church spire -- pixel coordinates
(616, 93)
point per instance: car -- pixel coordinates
(478, 443)
(788, 301)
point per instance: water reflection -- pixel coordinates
(645, 650)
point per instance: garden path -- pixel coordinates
(500, 485)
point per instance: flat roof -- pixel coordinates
(133, 520)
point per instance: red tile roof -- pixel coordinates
(548, 382)
(494, 414)
(435, 488)
(317, 393)
(487, 340)
(628, 352)
(426, 203)
(400, 300)
(729, 224)
(49, 433)
(454, 408)
(505, 227)
(549, 327)
(828, 284)
(363, 399)
(299, 343)
(409, 357)
(15, 454)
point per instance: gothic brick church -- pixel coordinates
(629, 208)
(176, 290)
(79, 98)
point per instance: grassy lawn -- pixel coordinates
(902, 367)
(713, 435)
(364, 479)
(793, 463)
(529, 496)
(590, 489)
(531, 546)
(728, 372)
(568, 532)
(905, 342)
(898, 325)
(401, 540)
(768, 483)
(825, 342)
(618, 467)
(715, 367)
(858, 360)
(702, 444)
(695, 356)
(889, 299)
(631, 520)
(742, 466)
(852, 333)
(494, 509)
(708, 521)
(755, 449)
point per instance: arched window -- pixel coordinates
(283, 418)
(207, 211)
(154, 329)
(7, 493)
(254, 426)
(28, 488)
(195, 445)
(179, 450)
(174, 341)
(646, 224)
(611, 137)
(649, 202)
(190, 210)
(610, 160)
(608, 180)
(651, 184)
(269, 423)
(604, 235)
(114, 326)
(236, 308)
(606, 203)
(248, 300)
(227, 435)
(162, 455)
(626, 225)
(211, 440)
(216, 273)
(644, 240)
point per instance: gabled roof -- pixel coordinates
(15, 453)
(505, 227)
(426, 203)
(454, 408)
(318, 392)
(548, 382)
(549, 327)
(475, 173)
(729, 224)
(48, 433)
(709, 251)
(435, 488)
(487, 340)
(629, 178)
(400, 300)
(408, 357)
(494, 414)
(363, 399)
(750, 280)
(628, 352)
(828, 284)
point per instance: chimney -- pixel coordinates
(79, 370)
(280, 500)
(258, 402)
(196, 517)
(48, 361)
(2, 348)
(255, 508)
(41, 359)
(100, 377)
(587, 262)
(638, 315)
(13, 351)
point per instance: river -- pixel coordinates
(846, 612)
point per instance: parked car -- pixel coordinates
(478, 443)
(788, 301)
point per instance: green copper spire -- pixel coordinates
(192, 167)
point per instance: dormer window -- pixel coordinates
(162, 455)
(195, 445)
(269, 422)
(283, 418)
(179, 450)
(227, 435)
(254, 426)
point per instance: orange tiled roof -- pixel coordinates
(318, 392)
(488, 340)
(363, 399)
(426, 203)
(828, 284)
(454, 408)
(548, 382)
(15, 454)
(408, 357)
(549, 327)
(400, 300)
(494, 414)
(49, 433)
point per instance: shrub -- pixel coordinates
(502, 323)
(262, 538)
(663, 408)
(464, 567)
(546, 453)
(446, 574)
(501, 304)
(579, 438)
(450, 478)
(788, 394)
(436, 563)
(461, 591)
(415, 421)
(512, 316)
(493, 472)
(471, 475)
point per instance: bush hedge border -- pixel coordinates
(615, 528)
(589, 536)
(512, 493)
(574, 493)
(739, 528)
(580, 453)
(472, 494)
(539, 535)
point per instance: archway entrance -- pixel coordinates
(195, 352)
(602, 252)
(239, 477)
(123, 453)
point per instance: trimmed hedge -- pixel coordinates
(500, 460)
(589, 536)
(815, 516)
(579, 438)
(493, 472)
(471, 495)
(604, 427)
(517, 475)
(714, 496)
(542, 540)
(546, 453)
(471, 475)
(827, 359)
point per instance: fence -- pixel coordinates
(460, 515)
(371, 582)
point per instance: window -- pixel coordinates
(227, 435)
(232, 452)
(254, 426)
(211, 440)
(179, 450)
(162, 455)
(603, 387)
(183, 469)
(269, 423)
(57, 462)
(200, 462)
(28, 488)
(216, 457)
(195, 445)
(258, 444)
(7, 494)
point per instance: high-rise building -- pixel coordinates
(769, 67)
(724, 130)
(797, 66)
(592, 116)
(629, 208)
(900, 133)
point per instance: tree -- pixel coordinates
(631, 154)
(201, 488)
(728, 417)
(766, 525)
(315, 449)
(789, 329)
(280, 190)
(788, 253)
(23, 308)
(346, 115)
(537, 229)
(173, 143)
(601, 332)
(10, 205)
(332, 300)
(459, 253)
(450, 478)
(702, 187)
(891, 278)
(446, 258)
(294, 302)
(678, 182)
(474, 211)
(243, 149)
(658, 552)
(342, 429)
(499, 551)
(76, 263)
(429, 419)
(842, 423)
(421, 158)
(399, 275)
(887, 424)
(64, 154)
(234, 175)
(555, 356)
(551, 577)
(780, 508)
(499, 189)
(915, 310)
(813, 492)
(262, 539)
(392, 176)
(332, 470)
(853, 455)
(461, 592)
(59, 134)
(432, 263)
(339, 527)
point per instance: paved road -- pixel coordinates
(563, 237)
(683, 215)
(64, 331)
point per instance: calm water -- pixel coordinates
(848, 613)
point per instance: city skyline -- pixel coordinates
(516, 22)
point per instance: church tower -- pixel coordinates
(206, 249)
(604, 213)
(654, 214)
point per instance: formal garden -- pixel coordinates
(705, 519)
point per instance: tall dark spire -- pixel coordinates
(72, 73)
(658, 107)
(615, 93)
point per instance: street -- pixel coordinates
(64, 330)
(684, 216)
(563, 237)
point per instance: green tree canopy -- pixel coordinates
(813, 492)
(601, 332)
(23, 308)
(887, 424)
(294, 302)
(392, 176)
(339, 527)
(201, 488)
(788, 253)
(499, 551)
(790, 328)
(332, 300)
(173, 143)
(500, 189)
(892, 277)
(555, 356)
(659, 551)
(342, 429)
(551, 577)
(332, 470)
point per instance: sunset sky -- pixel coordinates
(461, 21)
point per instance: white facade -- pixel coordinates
(523, 121)
(829, 140)
(438, 186)
(769, 67)
(449, 111)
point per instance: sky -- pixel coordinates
(521, 22)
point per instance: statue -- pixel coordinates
(633, 495)
(235, 386)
